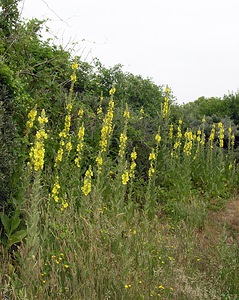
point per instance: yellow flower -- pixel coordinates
(151, 171)
(41, 134)
(112, 91)
(69, 146)
(99, 160)
(69, 107)
(80, 113)
(42, 118)
(75, 66)
(167, 90)
(31, 117)
(86, 188)
(152, 155)
(73, 78)
(127, 286)
(165, 107)
(221, 134)
(141, 113)
(59, 156)
(64, 205)
(99, 110)
(171, 131)
(127, 114)
(125, 177)
(123, 140)
(158, 138)
(133, 155)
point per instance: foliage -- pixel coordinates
(107, 183)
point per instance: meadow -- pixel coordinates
(108, 217)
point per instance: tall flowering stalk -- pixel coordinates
(65, 144)
(123, 135)
(37, 152)
(86, 188)
(80, 136)
(150, 194)
(165, 110)
(188, 145)
(31, 119)
(212, 136)
(178, 142)
(132, 167)
(33, 200)
(106, 131)
(221, 134)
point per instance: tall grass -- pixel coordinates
(88, 236)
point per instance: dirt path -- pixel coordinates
(225, 219)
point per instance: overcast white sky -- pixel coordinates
(191, 45)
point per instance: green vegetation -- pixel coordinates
(108, 188)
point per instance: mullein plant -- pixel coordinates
(185, 175)
(123, 173)
(65, 147)
(33, 203)
(151, 193)
(106, 133)
(231, 165)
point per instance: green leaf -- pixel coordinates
(6, 222)
(18, 236)
(15, 221)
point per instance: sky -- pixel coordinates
(190, 45)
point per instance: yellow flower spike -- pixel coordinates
(59, 156)
(31, 117)
(37, 152)
(233, 140)
(80, 145)
(122, 146)
(86, 188)
(212, 136)
(171, 131)
(221, 134)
